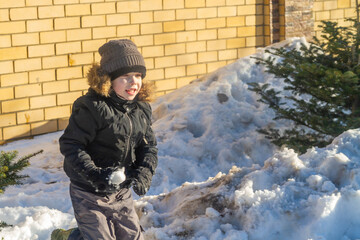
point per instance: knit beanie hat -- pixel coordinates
(119, 57)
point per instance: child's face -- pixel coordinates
(128, 85)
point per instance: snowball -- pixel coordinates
(117, 177)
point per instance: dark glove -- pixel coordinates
(100, 179)
(141, 181)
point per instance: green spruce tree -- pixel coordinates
(323, 81)
(9, 171)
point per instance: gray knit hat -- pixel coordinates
(119, 57)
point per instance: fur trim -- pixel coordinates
(100, 82)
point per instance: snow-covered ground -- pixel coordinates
(217, 177)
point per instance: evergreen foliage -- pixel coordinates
(323, 79)
(9, 169)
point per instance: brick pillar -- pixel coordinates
(299, 21)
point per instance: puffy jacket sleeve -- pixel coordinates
(146, 152)
(80, 131)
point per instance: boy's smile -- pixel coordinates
(128, 85)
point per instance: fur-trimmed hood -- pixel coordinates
(100, 82)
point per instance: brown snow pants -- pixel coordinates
(105, 217)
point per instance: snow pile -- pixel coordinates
(217, 177)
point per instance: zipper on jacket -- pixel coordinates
(131, 129)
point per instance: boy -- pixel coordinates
(109, 146)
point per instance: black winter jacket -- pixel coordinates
(107, 132)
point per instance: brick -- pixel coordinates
(151, 28)
(42, 76)
(235, 21)
(187, 36)
(11, 4)
(163, 62)
(43, 127)
(155, 74)
(153, 51)
(62, 123)
(67, 23)
(228, 54)
(181, 82)
(128, 30)
(77, 10)
(5, 41)
(330, 5)
(14, 79)
(69, 47)
(173, 4)
(118, 19)
(175, 72)
(90, 1)
(4, 15)
(194, 3)
(25, 39)
(128, 6)
(149, 63)
(175, 49)
(23, 13)
(247, 10)
(13, 53)
(57, 112)
(243, 52)
(6, 93)
(349, 13)
(215, 3)
(141, 17)
(146, 40)
(23, 65)
(51, 11)
(54, 62)
(227, 11)
(6, 67)
(164, 38)
(27, 90)
(68, 73)
(195, 24)
(216, 23)
(235, 2)
(183, 14)
(215, 65)
(246, 31)
(227, 33)
(41, 50)
(206, 12)
(15, 105)
(199, 46)
(104, 32)
(103, 8)
(150, 5)
(163, 85)
(216, 45)
(43, 101)
(186, 59)
(235, 43)
(81, 59)
(18, 131)
(93, 21)
(79, 84)
(208, 56)
(39, 25)
(53, 37)
(207, 34)
(78, 34)
(337, 14)
(196, 69)
(7, 120)
(38, 2)
(92, 45)
(12, 27)
(55, 87)
(174, 26)
(323, 15)
(253, 20)
(68, 98)
(162, 16)
(56, 2)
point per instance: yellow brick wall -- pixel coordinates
(47, 47)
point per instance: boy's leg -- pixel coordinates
(90, 214)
